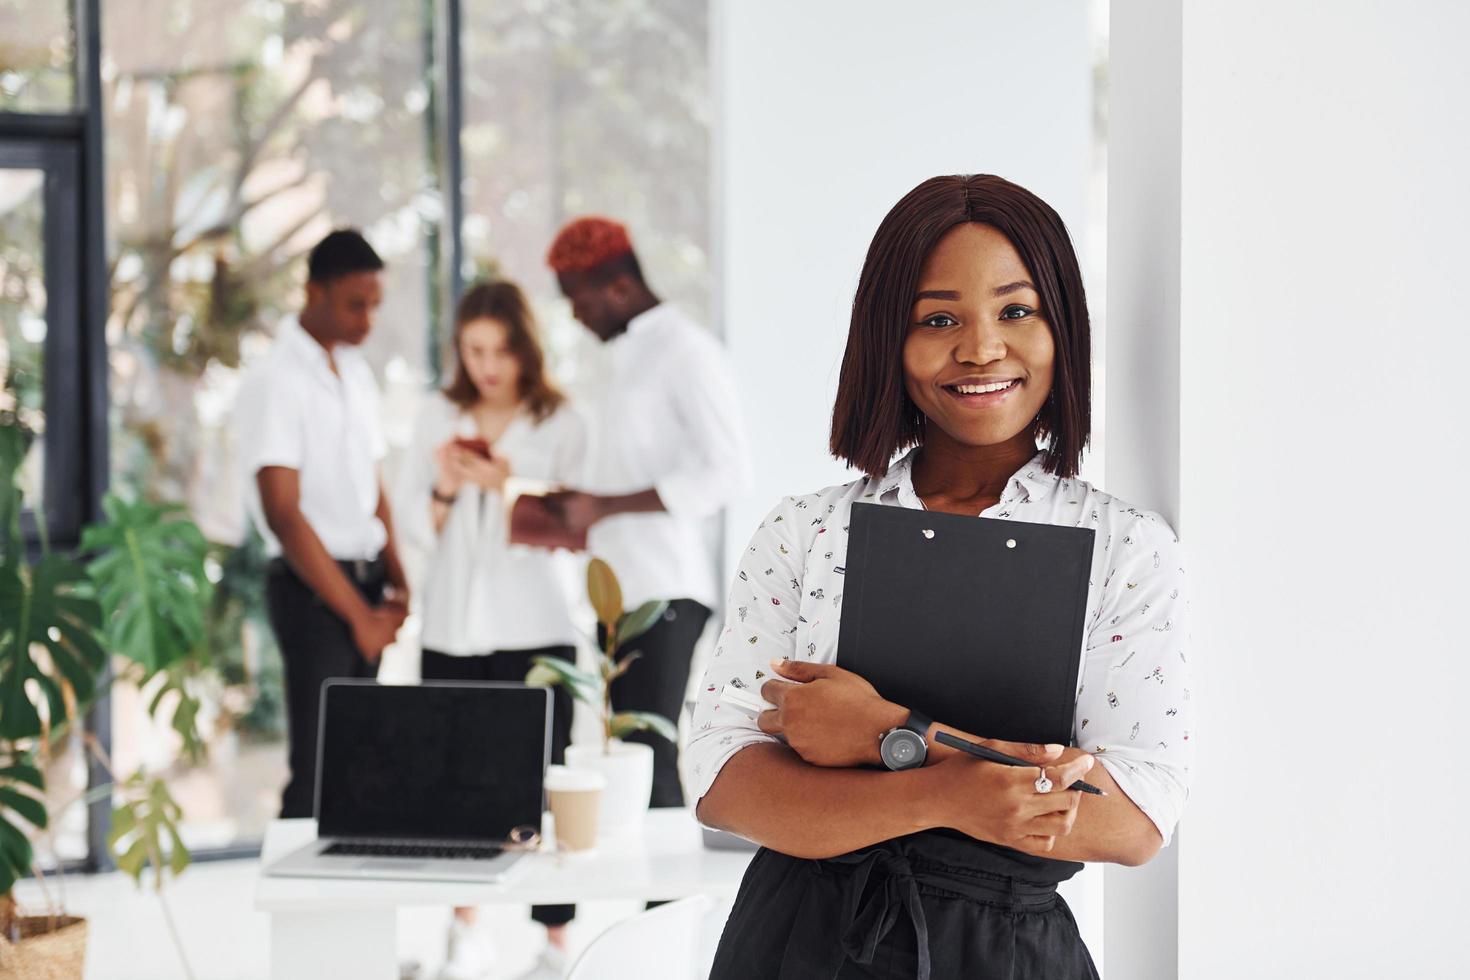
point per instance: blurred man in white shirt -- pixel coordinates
(311, 443)
(669, 451)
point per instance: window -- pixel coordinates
(230, 153)
(36, 56)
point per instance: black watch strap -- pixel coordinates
(918, 724)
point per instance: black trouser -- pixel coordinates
(656, 682)
(316, 644)
(512, 665)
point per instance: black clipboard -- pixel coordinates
(974, 622)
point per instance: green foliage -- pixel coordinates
(640, 620)
(46, 608)
(604, 592)
(583, 685)
(15, 442)
(143, 595)
(147, 817)
(626, 722)
(595, 688)
(20, 786)
(151, 581)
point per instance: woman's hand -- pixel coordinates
(1001, 804)
(829, 716)
(487, 474)
(450, 477)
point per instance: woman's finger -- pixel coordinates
(1069, 772)
(775, 690)
(1028, 751)
(769, 722)
(1051, 824)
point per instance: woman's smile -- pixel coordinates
(981, 393)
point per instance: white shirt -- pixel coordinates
(670, 420)
(293, 411)
(480, 593)
(1134, 709)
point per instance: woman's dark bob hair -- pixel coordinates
(503, 301)
(874, 418)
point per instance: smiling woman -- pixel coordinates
(968, 346)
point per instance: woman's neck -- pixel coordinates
(955, 478)
(493, 415)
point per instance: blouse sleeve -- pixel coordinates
(1134, 710)
(760, 626)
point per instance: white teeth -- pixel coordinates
(983, 389)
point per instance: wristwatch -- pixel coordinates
(904, 747)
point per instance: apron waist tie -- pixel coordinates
(867, 922)
(870, 913)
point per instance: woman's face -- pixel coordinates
(488, 360)
(978, 358)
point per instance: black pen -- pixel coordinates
(990, 755)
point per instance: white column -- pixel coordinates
(1288, 268)
(1142, 923)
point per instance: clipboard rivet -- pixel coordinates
(1010, 542)
(928, 533)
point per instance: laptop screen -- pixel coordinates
(460, 761)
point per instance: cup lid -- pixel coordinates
(564, 779)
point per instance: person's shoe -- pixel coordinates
(550, 965)
(470, 952)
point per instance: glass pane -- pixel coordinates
(573, 108)
(23, 315)
(37, 56)
(231, 153)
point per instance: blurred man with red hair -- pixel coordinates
(669, 452)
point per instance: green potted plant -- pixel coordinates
(140, 594)
(627, 766)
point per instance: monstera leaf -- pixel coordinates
(20, 787)
(140, 825)
(48, 634)
(150, 579)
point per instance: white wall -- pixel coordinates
(827, 112)
(1322, 347)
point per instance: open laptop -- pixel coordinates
(425, 782)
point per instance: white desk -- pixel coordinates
(348, 928)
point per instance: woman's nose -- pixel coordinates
(981, 343)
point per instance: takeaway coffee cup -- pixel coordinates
(573, 795)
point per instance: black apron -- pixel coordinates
(934, 905)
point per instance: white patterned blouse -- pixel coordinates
(1134, 709)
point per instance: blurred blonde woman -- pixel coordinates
(489, 608)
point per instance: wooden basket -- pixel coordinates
(51, 947)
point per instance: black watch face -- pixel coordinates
(902, 749)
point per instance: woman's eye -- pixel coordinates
(939, 320)
(1016, 312)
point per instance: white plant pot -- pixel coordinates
(628, 769)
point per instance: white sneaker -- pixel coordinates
(550, 965)
(470, 953)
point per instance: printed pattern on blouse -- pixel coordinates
(1133, 710)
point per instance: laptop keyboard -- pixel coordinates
(453, 852)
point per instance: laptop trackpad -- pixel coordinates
(399, 866)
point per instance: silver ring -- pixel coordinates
(1043, 785)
